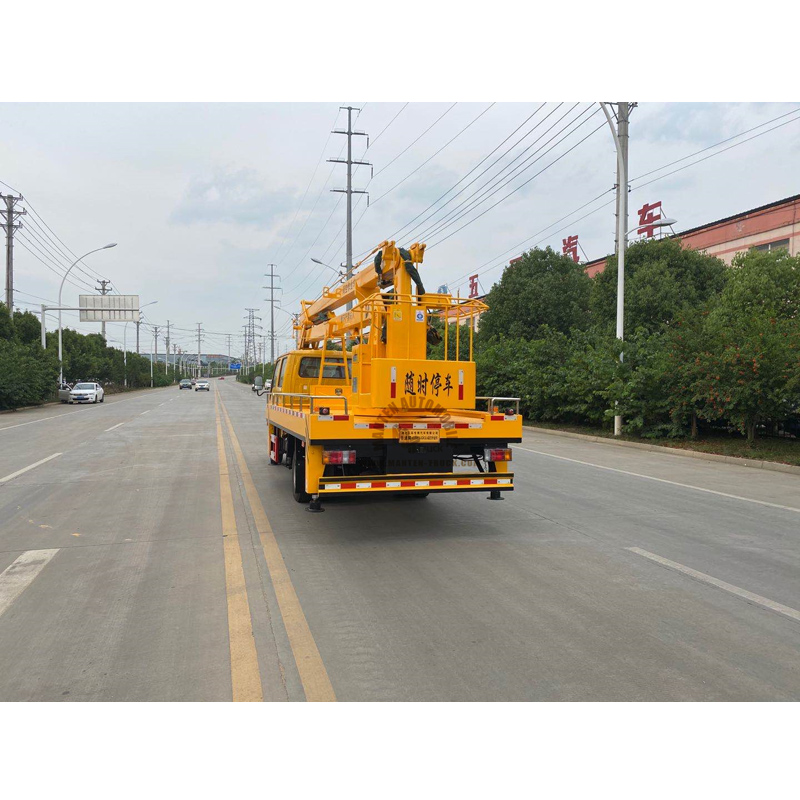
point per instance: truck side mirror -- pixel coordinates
(259, 381)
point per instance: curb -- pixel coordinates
(772, 466)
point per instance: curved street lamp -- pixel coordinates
(322, 263)
(60, 290)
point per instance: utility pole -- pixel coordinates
(10, 226)
(350, 191)
(104, 290)
(620, 134)
(271, 288)
(155, 351)
(229, 350)
(198, 348)
(166, 365)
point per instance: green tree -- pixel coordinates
(544, 288)
(749, 369)
(662, 281)
(6, 323)
(27, 327)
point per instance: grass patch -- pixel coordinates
(765, 448)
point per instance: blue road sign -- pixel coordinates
(236, 365)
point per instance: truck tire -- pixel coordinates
(299, 474)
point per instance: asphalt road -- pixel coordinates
(148, 552)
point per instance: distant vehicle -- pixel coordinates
(222, 377)
(86, 393)
(194, 381)
(268, 384)
(202, 384)
(185, 384)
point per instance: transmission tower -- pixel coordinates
(199, 337)
(250, 328)
(350, 191)
(9, 214)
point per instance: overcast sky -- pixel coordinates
(202, 197)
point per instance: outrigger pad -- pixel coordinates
(315, 506)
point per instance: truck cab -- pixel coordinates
(306, 371)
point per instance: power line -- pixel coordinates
(406, 149)
(710, 155)
(481, 269)
(522, 124)
(70, 279)
(305, 194)
(310, 213)
(315, 274)
(494, 180)
(522, 185)
(724, 141)
(427, 160)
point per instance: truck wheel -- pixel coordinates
(299, 474)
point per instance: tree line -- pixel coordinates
(705, 344)
(29, 373)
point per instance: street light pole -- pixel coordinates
(620, 134)
(60, 290)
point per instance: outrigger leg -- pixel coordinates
(315, 506)
(494, 494)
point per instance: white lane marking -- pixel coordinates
(728, 587)
(661, 480)
(145, 412)
(113, 427)
(31, 466)
(19, 575)
(67, 413)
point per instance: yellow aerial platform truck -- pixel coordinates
(358, 408)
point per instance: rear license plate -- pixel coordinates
(420, 435)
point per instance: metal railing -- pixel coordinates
(492, 400)
(310, 397)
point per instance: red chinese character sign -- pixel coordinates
(569, 247)
(473, 286)
(647, 216)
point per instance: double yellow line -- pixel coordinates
(245, 676)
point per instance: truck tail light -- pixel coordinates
(497, 454)
(338, 456)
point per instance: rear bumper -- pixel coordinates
(454, 482)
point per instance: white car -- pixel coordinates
(202, 384)
(86, 393)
